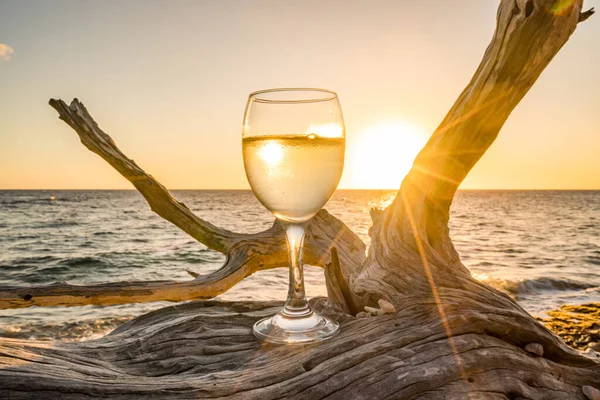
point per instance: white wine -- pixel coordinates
(293, 144)
(293, 176)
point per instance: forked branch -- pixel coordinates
(586, 14)
(252, 253)
(246, 253)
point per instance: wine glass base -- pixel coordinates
(283, 329)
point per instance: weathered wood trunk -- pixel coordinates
(207, 350)
(452, 337)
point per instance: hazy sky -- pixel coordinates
(168, 80)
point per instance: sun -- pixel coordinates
(382, 155)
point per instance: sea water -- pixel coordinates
(542, 247)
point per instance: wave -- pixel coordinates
(59, 223)
(47, 269)
(14, 201)
(30, 261)
(67, 331)
(85, 262)
(51, 262)
(101, 233)
(38, 200)
(536, 285)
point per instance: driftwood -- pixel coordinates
(451, 337)
(207, 350)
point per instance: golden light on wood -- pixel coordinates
(561, 7)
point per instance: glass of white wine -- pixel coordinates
(293, 141)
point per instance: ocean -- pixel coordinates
(542, 247)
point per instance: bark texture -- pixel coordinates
(452, 337)
(206, 349)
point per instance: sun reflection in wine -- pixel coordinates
(271, 153)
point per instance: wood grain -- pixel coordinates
(203, 350)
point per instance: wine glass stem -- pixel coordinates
(296, 305)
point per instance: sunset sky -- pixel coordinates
(168, 80)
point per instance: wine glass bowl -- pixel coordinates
(293, 143)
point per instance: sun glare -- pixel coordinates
(272, 153)
(383, 155)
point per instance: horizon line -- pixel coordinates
(341, 189)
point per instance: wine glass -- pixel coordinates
(293, 141)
